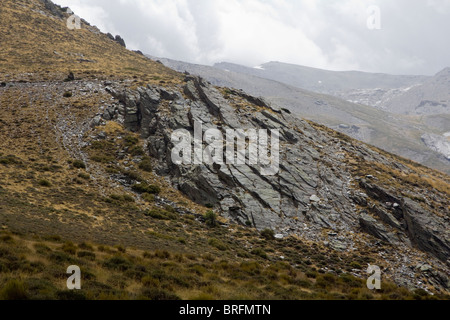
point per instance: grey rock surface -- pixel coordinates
(314, 188)
(358, 104)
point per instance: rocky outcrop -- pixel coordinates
(312, 189)
(424, 229)
(53, 8)
(120, 41)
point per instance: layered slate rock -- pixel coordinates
(314, 188)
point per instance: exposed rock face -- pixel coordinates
(313, 190)
(422, 227)
(120, 41)
(53, 8)
(117, 39)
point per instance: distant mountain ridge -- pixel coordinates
(324, 81)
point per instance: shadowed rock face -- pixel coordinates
(314, 188)
(54, 9)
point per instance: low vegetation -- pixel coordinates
(35, 268)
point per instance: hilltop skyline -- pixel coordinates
(330, 35)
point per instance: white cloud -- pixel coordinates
(320, 33)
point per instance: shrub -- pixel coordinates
(60, 257)
(103, 248)
(131, 140)
(86, 254)
(53, 238)
(136, 151)
(67, 94)
(211, 218)
(13, 290)
(243, 254)
(9, 160)
(311, 274)
(217, 244)
(122, 198)
(42, 248)
(209, 257)
(79, 164)
(146, 188)
(120, 248)
(268, 234)
(117, 263)
(259, 252)
(86, 246)
(146, 165)
(350, 281)
(69, 248)
(148, 197)
(303, 283)
(6, 238)
(44, 183)
(321, 282)
(150, 282)
(251, 267)
(162, 254)
(420, 294)
(118, 281)
(133, 175)
(84, 176)
(136, 273)
(160, 214)
(40, 289)
(356, 265)
(102, 158)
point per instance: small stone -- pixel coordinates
(96, 121)
(338, 245)
(425, 268)
(106, 116)
(314, 198)
(332, 234)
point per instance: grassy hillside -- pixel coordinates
(38, 46)
(143, 241)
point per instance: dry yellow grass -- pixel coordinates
(42, 192)
(38, 47)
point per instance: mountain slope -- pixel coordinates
(88, 160)
(400, 134)
(323, 81)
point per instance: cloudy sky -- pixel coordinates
(330, 34)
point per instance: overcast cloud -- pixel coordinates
(330, 34)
